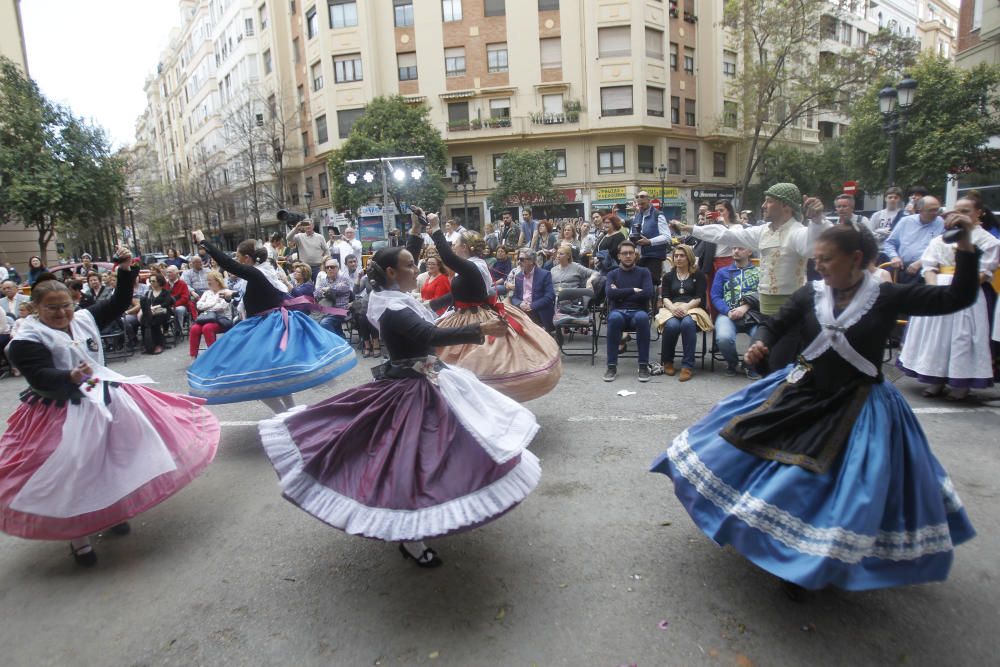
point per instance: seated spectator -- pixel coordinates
(86, 265)
(302, 275)
(629, 289)
(184, 308)
(532, 290)
(566, 273)
(80, 298)
(156, 311)
(96, 287)
(5, 327)
(501, 268)
(11, 299)
(196, 277)
(173, 259)
(734, 295)
(24, 309)
(437, 284)
(544, 243)
(35, 269)
(337, 292)
(214, 314)
(683, 292)
(567, 236)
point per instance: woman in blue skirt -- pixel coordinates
(820, 473)
(274, 352)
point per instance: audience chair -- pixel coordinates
(568, 326)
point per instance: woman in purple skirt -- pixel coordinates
(424, 450)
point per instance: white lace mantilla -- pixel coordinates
(833, 330)
(837, 543)
(389, 299)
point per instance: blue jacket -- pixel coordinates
(648, 224)
(623, 295)
(731, 284)
(543, 294)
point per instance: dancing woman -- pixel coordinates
(523, 365)
(820, 473)
(275, 351)
(88, 449)
(422, 451)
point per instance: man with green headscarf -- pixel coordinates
(785, 244)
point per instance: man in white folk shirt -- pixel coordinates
(785, 246)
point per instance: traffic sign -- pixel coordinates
(850, 187)
(655, 203)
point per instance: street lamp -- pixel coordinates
(464, 176)
(387, 170)
(894, 103)
(129, 202)
(662, 171)
(309, 197)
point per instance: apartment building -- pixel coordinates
(937, 29)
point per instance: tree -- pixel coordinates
(817, 173)
(524, 179)
(390, 127)
(954, 113)
(787, 75)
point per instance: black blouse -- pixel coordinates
(468, 284)
(260, 294)
(683, 291)
(610, 242)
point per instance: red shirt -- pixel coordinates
(435, 288)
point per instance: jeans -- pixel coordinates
(618, 321)
(688, 332)
(334, 323)
(183, 315)
(725, 336)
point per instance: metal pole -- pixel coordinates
(135, 239)
(388, 222)
(465, 204)
(892, 155)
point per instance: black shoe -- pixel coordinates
(643, 372)
(121, 529)
(611, 374)
(428, 558)
(730, 371)
(85, 556)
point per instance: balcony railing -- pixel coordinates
(543, 118)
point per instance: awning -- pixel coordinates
(457, 94)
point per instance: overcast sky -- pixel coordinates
(94, 55)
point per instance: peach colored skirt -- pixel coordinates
(523, 367)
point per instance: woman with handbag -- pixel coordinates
(156, 307)
(683, 291)
(213, 313)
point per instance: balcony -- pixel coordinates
(543, 118)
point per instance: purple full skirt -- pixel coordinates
(390, 460)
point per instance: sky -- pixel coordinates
(94, 55)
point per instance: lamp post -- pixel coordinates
(309, 197)
(464, 176)
(386, 169)
(662, 171)
(129, 201)
(894, 103)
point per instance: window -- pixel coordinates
(248, 27)
(673, 56)
(272, 106)
(552, 104)
(688, 60)
(267, 62)
(301, 93)
(500, 108)
(343, 13)
(548, 4)
(403, 10)
(560, 162)
(730, 113)
(654, 43)
(291, 6)
(616, 101)
(675, 110)
(719, 164)
(312, 23)
(321, 136)
(495, 8)
(645, 159)
(346, 118)
(262, 16)
(454, 61)
(305, 144)
(496, 58)
(690, 162)
(729, 64)
(674, 160)
(296, 51)
(407, 63)
(347, 68)
(451, 10)
(844, 33)
(689, 113)
(324, 186)
(497, 161)
(654, 101)
(551, 51)
(611, 160)
(614, 42)
(293, 192)
(316, 73)
(458, 115)
(309, 186)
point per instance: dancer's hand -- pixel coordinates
(755, 354)
(80, 373)
(123, 256)
(433, 223)
(493, 328)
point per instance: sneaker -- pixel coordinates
(643, 372)
(752, 374)
(611, 374)
(730, 371)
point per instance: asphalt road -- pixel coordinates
(600, 566)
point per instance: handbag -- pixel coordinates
(212, 317)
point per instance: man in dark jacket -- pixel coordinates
(629, 289)
(539, 299)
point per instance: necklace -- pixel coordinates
(682, 281)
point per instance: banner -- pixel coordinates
(611, 193)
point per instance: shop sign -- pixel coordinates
(713, 194)
(611, 193)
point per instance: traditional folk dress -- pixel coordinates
(422, 451)
(525, 364)
(952, 349)
(276, 351)
(75, 461)
(820, 473)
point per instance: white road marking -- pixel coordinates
(617, 418)
(950, 411)
(238, 423)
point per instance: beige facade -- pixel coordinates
(12, 33)
(937, 29)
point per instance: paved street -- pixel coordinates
(583, 573)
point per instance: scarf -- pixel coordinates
(833, 330)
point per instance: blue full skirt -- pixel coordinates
(884, 514)
(247, 363)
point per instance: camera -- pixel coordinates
(290, 218)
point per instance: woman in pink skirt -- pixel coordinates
(88, 448)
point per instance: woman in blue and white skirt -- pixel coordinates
(820, 473)
(276, 351)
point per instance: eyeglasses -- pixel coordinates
(331, 266)
(57, 308)
(525, 259)
(626, 252)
